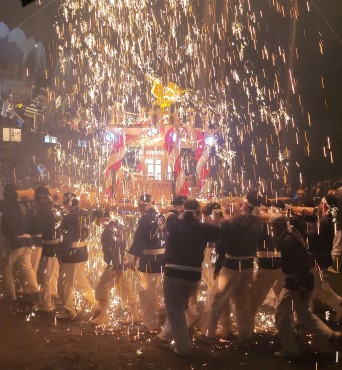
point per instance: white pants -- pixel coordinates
(177, 293)
(36, 256)
(46, 271)
(191, 314)
(264, 280)
(54, 280)
(208, 269)
(24, 258)
(230, 284)
(35, 259)
(72, 276)
(4, 246)
(337, 244)
(323, 293)
(150, 298)
(292, 301)
(225, 325)
(123, 288)
(336, 250)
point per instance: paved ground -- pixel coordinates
(31, 342)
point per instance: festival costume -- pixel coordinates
(192, 315)
(225, 325)
(115, 275)
(37, 249)
(34, 229)
(269, 274)
(236, 256)
(187, 239)
(296, 294)
(50, 221)
(336, 249)
(336, 212)
(15, 218)
(320, 243)
(73, 258)
(148, 247)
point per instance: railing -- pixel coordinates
(130, 190)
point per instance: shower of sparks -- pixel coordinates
(264, 322)
(217, 50)
(118, 311)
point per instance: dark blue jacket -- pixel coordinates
(268, 257)
(296, 262)
(185, 245)
(75, 231)
(113, 243)
(49, 219)
(240, 238)
(15, 217)
(320, 241)
(34, 227)
(148, 236)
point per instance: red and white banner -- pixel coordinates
(114, 164)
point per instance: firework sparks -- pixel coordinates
(109, 48)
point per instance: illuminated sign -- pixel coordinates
(11, 134)
(50, 139)
(209, 140)
(110, 137)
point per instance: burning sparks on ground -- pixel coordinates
(264, 322)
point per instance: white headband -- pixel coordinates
(182, 215)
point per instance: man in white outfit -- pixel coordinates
(34, 228)
(212, 213)
(234, 268)
(148, 248)
(113, 243)
(47, 221)
(14, 223)
(334, 201)
(296, 294)
(73, 257)
(186, 240)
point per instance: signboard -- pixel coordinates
(50, 139)
(11, 134)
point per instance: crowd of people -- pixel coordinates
(242, 255)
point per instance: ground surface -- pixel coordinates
(31, 342)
